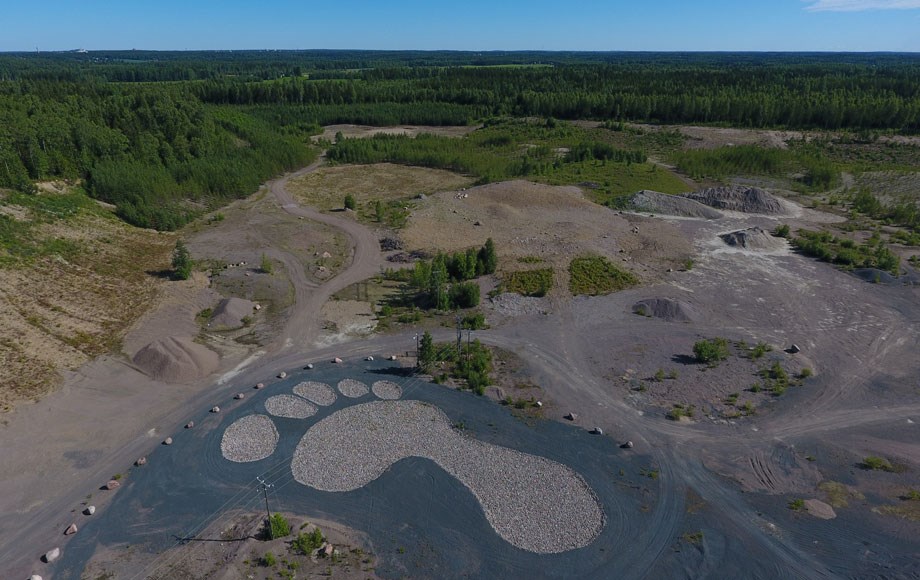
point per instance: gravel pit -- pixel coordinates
(319, 393)
(387, 390)
(535, 504)
(289, 407)
(352, 388)
(248, 439)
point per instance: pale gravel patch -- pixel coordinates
(352, 388)
(535, 504)
(289, 407)
(386, 390)
(250, 438)
(319, 393)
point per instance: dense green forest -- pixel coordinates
(166, 136)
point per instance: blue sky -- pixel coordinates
(826, 25)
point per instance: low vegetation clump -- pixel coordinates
(444, 281)
(596, 275)
(472, 363)
(874, 463)
(276, 527)
(306, 542)
(775, 379)
(847, 253)
(710, 351)
(695, 538)
(814, 170)
(797, 504)
(528, 282)
(679, 411)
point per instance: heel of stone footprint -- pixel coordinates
(532, 502)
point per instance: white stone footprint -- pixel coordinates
(532, 502)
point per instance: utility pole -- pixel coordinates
(417, 361)
(459, 337)
(469, 333)
(265, 486)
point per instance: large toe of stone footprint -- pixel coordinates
(532, 502)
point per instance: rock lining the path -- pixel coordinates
(318, 393)
(387, 390)
(534, 503)
(250, 438)
(289, 407)
(352, 389)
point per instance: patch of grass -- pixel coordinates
(797, 504)
(528, 282)
(596, 275)
(530, 260)
(838, 495)
(874, 463)
(678, 411)
(846, 253)
(695, 538)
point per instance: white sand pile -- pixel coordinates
(352, 388)
(176, 360)
(319, 393)
(387, 390)
(251, 438)
(231, 312)
(534, 503)
(754, 239)
(289, 407)
(662, 203)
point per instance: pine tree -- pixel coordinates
(181, 262)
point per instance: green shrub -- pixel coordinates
(350, 202)
(876, 464)
(797, 504)
(529, 282)
(266, 265)
(280, 527)
(596, 275)
(464, 295)
(711, 351)
(269, 560)
(782, 231)
(305, 543)
(181, 262)
(805, 373)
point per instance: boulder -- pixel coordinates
(35, 577)
(257, 307)
(337, 360)
(597, 431)
(392, 357)
(141, 461)
(215, 409)
(239, 396)
(260, 386)
(90, 510)
(571, 416)
(370, 358)
(282, 375)
(627, 445)
(190, 424)
(71, 530)
(167, 441)
(309, 366)
(112, 484)
(539, 404)
(52, 555)
(327, 549)
(794, 349)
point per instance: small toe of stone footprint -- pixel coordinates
(255, 437)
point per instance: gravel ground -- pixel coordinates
(386, 390)
(289, 406)
(534, 503)
(250, 438)
(352, 388)
(319, 393)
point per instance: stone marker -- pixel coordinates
(282, 375)
(309, 366)
(52, 555)
(190, 424)
(597, 431)
(167, 441)
(260, 386)
(239, 396)
(71, 530)
(571, 416)
(337, 360)
(627, 445)
(215, 409)
(112, 484)
(370, 358)
(141, 461)
(90, 510)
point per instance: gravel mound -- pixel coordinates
(251, 438)
(319, 393)
(739, 198)
(386, 390)
(289, 407)
(176, 360)
(230, 313)
(512, 304)
(662, 203)
(754, 239)
(666, 309)
(534, 503)
(352, 388)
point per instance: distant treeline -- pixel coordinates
(163, 152)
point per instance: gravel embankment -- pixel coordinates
(250, 438)
(534, 503)
(386, 390)
(352, 388)
(319, 393)
(289, 406)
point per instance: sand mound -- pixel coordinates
(753, 239)
(739, 198)
(665, 309)
(654, 202)
(230, 313)
(176, 360)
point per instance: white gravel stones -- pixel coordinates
(534, 503)
(250, 438)
(319, 393)
(352, 388)
(289, 407)
(387, 390)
